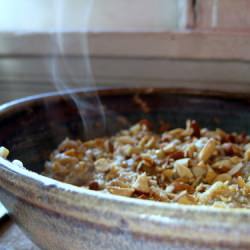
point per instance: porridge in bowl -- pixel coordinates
(193, 165)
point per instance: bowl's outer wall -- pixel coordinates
(33, 129)
(56, 231)
(59, 219)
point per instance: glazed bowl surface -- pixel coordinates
(60, 216)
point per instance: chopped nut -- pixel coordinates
(103, 165)
(247, 155)
(235, 169)
(169, 148)
(211, 175)
(207, 150)
(151, 143)
(232, 149)
(178, 196)
(135, 129)
(185, 198)
(126, 150)
(92, 143)
(94, 185)
(182, 169)
(4, 152)
(228, 149)
(143, 141)
(182, 162)
(202, 164)
(160, 153)
(236, 150)
(196, 129)
(190, 150)
(142, 184)
(240, 182)
(199, 171)
(200, 143)
(125, 140)
(219, 204)
(145, 166)
(121, 191)
(159, 194)
(235, 160)
(166, 137)
(178, 132)
(222, 164)
(168, 173)
(215, 190)
(18, 163)
(113, 173)
(179, 186)
(169, 189)
(71, 152)
(247, 146)
(223, 177)
(176, 155)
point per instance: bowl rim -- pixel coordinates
(107, 90)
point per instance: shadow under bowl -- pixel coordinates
(61, 216)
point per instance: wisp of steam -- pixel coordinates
(65, 72)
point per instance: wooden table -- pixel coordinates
(11, 237)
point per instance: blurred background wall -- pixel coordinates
(180, 43)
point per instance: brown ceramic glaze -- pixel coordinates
(60, 216)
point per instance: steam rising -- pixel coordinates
(65, 72)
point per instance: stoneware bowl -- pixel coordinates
(60, 216)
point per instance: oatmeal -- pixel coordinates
(189, 165)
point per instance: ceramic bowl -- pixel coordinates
(61, 216)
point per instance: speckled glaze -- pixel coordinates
(60, 216)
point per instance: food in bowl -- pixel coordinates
(189, 165)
